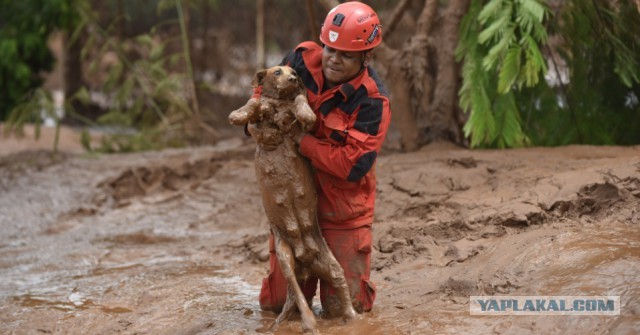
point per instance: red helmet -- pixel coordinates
(351, 26)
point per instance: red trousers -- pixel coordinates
(352, 249)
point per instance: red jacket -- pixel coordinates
(352, 122)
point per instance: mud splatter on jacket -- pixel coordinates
(352, 122)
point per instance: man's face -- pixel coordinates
(340, 66)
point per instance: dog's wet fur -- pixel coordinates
(288, 191)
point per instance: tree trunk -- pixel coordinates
(394, 18)
(329, 4)
(421, 72)
(445, 119)
(260, 59)
(121, 19)
(402, 116)
(409, 79)
(312, 21)
(72, 69)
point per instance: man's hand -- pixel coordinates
(298, 138)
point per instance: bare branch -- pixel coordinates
(260, 53)
(444, 115)
(329, 4)
(312, 20)
(425, 22)
(396, 15)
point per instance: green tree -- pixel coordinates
(25, 26)
(500, 48)
(149, 85)
(505, 49)
(597, 44)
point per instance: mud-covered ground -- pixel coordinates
(174, 242)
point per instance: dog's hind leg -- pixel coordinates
(289, 306)
(329, 270)
(287, 265)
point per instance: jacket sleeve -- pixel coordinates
(365, 134)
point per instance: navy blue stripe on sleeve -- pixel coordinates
(362, 166)
(369, 116)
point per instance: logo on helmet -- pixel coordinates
(374, 33)
(365, 17)
(333, 36)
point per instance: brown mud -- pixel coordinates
(175, 242)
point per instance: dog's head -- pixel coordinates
(281, 82)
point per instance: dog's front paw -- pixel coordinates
(304, 113)
(243, 115)
(238, 117)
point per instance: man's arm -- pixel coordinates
(356, 157)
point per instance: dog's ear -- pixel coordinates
(258, 78)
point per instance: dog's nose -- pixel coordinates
(292, 78)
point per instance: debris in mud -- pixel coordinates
(431, 210)
(255, 248)
(591, 200)
(26, 161)
(465, 162)
(139, 238)
(140, 181)
(632, 185)
(168, 174)
(389, 243)
(78, 213)
(459, 287)
(458, 255)
(501, 285)
(21, 163)
(522, 219)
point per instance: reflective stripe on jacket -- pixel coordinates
(352, 123)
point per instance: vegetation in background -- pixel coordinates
(500, 47)
(597, 44)
(37, 105)
(25, 26)
(137, 91)
(150, 92)
(147, 92)
(140, 67)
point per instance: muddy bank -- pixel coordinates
(174, 242)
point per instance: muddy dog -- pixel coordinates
(288, 191)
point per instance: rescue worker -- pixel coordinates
(353, 115)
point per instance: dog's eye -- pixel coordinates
(277, 72)
(293, 72)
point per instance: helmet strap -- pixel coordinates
(364, 59)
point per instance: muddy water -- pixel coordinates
(146, 286)
(183, 255)
(159, 263)
(543, 261)
(604, 261)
